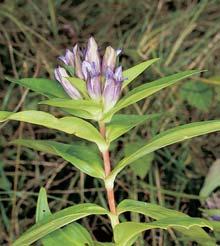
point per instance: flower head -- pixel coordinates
(103, 79)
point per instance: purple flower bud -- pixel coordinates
(86, 69)
(109, 59)
(94, 87)
(68, 58)
(61, 75)
(93, 80)
(92, 54)
(77, 62)
(118, 74)
(112, 89)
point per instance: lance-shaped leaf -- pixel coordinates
(86, 108)
(53, 89)
(122, 123)
(132, 73)
(125, 232)
(168, 137)
(158, 212)
(57, 220)
(82, 157)
(148, 89)
(71, 235)
(68, 124)
(46, 87)
(149, 209)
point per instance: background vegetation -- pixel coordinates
(184, 34)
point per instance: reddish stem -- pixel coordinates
(107, 167)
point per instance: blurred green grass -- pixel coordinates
(184, 34)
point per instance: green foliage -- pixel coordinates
(122, 123)
(46, 87)
(168, 137)
(71, 235)
(125, 232)
(159, 213)
(133, 72)
(151, 210)
(87, 109)
(57, 220)
(68, 124)
(197, 94)
(80, 156)
(148, 89)
(42, 210)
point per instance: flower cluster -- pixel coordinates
(103, 79)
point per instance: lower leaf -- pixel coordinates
(158, 212)
(71, 235)
(57, 220)
(124, 232)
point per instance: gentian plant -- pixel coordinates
(87, 89)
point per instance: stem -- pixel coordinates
(107, 168)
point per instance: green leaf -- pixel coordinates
(122, 123)
(43, 209)
(70, 235)
(42, 212)
(158, 212)
(166, 138)
(83, 108)
(82, 157)
(79, 84)
(69, 69)
(57, 220)
(124, 232)
(149, 209)
(141, 166)
(46, 87)
(212, 180)
(197, 94)
(148, 89)
(68, 124)
(131, 73)
(77, 235)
